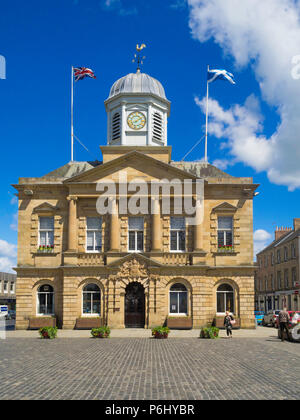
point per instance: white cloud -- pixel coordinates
(221, 163)
(6, 265)
(8, 256)
(14, 225)
(262, 238)
(266, 35)
(7, 249)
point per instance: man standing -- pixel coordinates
(283, 319)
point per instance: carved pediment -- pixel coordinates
(45, 208)
(224, 208)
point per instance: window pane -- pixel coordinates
(140, 241)
(96, 306)
(221, 241)
(43, 238)
(174, 303)
(93, 223)
(220, 302)
(87, 303)
(183, 302)
(90, 241)
(131, 241)
(47, 223)
(92, 287)
(136, 223)
(173, 241)
(50, 305)
(42, 303)
(50, 238)
(98, 238)
(229, 238)
(225, 222)
(178, 287)
(177, 223)
(229, 302)
(181, 241)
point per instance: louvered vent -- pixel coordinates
(157, 127)
(116, 126)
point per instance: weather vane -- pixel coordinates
(138, 58)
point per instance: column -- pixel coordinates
(156, 225)
(72, 225)
(198, 227)
(114, 227)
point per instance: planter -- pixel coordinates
(160, 336)
(209, 333)
(35, 323)
(160, 332)
(102, 332)
(180, 323)
(48, 333)
(88, 323)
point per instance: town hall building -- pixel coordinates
(78, 268)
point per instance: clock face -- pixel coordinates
(136, 120)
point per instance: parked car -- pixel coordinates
(294, 319)
(259, 315)
(270, 318)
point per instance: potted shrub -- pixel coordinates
(48, 332)
(209, 332)
(160, 332)
(101, 332)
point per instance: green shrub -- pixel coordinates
(209, 332)
(48, 332)
(160, 332)
(101, 332)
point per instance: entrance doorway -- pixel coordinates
(135, 306)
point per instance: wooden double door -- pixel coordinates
(135, 306)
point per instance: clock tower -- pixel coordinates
(137, 111)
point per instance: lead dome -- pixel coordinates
(137, 83)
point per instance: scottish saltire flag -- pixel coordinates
(82, 72)
(213, 75)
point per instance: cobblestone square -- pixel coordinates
(144, 368)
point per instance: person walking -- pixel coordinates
(283, 319)
(228, 322)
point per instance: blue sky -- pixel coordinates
(42, 40)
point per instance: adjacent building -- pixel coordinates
(78, 268)
(8, 290)
(277, 279)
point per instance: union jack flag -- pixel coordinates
(82, 72)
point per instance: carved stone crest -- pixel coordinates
(133, 269)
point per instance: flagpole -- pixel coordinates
(72, 108)
(206, 127)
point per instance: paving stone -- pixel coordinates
(144, 368)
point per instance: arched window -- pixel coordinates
(157, 127)
(91, 300)
(116, 126)
(178, 299)
(225, 299)
(45, 300)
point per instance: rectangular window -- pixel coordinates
(93, 234)
(225, 232)
(12, 287)
(272, 258)
(294, 277)
(136, 234)
(286, 278)
(293, 250)
(278, 256)
(279, 279)
(272, 282)
(46, 231)
(285, 253)
(5, 287)
(177, 234)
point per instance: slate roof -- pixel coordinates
(289, 236)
